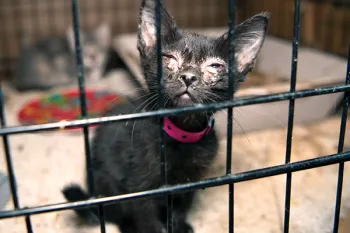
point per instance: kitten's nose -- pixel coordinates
(188, 78)
(93, 57)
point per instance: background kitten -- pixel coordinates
(51, 62)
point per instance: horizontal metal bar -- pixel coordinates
(167, 112)
(223, 180)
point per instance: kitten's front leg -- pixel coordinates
(146, 217)
(95, 75)
(181, 205)
(180, 223)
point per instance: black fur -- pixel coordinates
(126, 154)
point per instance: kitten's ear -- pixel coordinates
(147, 26)
(71, 38)
(249, 38)
(103, 35)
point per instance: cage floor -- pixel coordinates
(45, 162)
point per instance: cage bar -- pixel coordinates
(223, 180)
(28, 224)
(160, 83)
(102, 218)
(163, 163)
(171, 112)
(293, 81)
(83, 107)
(341, 147)
(9, 163)
(287, 168)
(231, 85)
(82, 96)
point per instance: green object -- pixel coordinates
(57, 99)
(4, 190)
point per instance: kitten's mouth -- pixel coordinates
(185, 96)
(185, 99)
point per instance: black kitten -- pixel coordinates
(126, 155)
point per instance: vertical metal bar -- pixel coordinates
(10, 170)
(29, 224)
(83, 107)
(340, 148)
(9, 164)
(161, 105)
(7, 150)
(291, 112)
(231, 86)
(80, 73)
(102, 218)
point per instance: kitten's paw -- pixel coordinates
(185, 228)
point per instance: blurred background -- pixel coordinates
(325, 24)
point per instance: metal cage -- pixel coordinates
(288, 168)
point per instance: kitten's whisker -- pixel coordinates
(239, 110)
(127, 93)
(257, 110)
(112, 100)
(166, 100)
(133, 127)
(140, 97)
(154, 105)
(144, 102)
(149, 103)
(215, 95)
(132, 134)
(127, 90)
(239, 125)
(143, 122)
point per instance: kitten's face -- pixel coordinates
(195, 67)
(95, 44)
(194, 71)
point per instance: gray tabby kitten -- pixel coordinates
(51, 62)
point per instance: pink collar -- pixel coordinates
(184, 136)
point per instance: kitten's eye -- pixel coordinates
(216, 66)
(170, 61)
(169, 56)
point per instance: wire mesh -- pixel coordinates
(168, 191)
